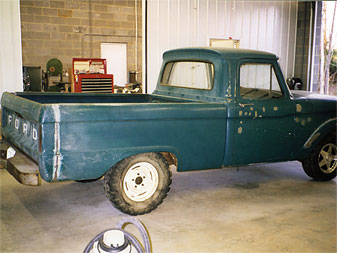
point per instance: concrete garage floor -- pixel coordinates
(261, 208)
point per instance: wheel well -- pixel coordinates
(170, 158)
(331, 133)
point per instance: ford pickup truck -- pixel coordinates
(211, 108)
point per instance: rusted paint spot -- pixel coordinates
(264, 109)
(240, 113)
(298, 108)
(255, 114)
(251, 108)
(275, 108)
(239, 130)
(303, 122)
(297, 119)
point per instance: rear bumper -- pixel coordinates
(21, 167)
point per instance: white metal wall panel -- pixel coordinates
(262, 25)
(10, 47)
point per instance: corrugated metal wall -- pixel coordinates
(262, 25)
(10, 47)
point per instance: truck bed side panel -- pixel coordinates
(92, 139)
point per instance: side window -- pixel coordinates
(259, 81)
(189, 74)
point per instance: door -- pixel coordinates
(264, 123)
(116, 56)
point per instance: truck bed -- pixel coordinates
(78, 98)
(80, 136)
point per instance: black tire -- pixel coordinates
(318, 167)
(88, 180)
(124, 178)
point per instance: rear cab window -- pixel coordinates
(189, 74)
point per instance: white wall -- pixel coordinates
(262, 25)
(10, 47)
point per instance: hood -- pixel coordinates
(301, 94)
(319, 102)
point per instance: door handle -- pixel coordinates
(244, 105)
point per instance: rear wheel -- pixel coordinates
(322, 162)
(138, 184)
(88, 180)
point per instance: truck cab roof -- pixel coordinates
(237, 53)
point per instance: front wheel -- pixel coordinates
(322, 162)
(138, 184)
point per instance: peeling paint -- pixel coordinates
(240, 113)
(260, 116)
(264, 109)
(297, 119)
(239, 130)
(57, 159)
(251, 108)
(315, 134)
(250, 114)
(298, 108)
(57, 114)
(246, 113)
(303, 122)
(255, 114)
(240, 122)
(228, 91)
(275, 108)
(311, 140)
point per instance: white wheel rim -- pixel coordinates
(327, 158)
(140, 181)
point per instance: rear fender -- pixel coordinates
(91, 165)
(156, 149)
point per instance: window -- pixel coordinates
(189, 74)
(258, 81)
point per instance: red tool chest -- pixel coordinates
(89, 76)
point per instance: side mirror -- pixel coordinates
(295, 83)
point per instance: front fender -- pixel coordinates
(317, 136)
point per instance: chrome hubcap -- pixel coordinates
(141, 181)
(327, 158)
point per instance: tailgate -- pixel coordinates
(20, 123)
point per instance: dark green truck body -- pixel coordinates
(81, 136)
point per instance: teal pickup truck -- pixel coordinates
(211, 108)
